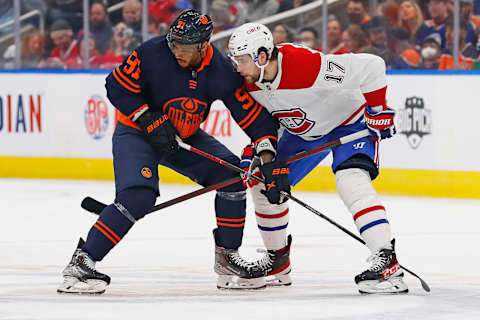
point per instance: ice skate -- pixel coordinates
(276, 264)
(80, 275)
(234, 272)
(384, 275)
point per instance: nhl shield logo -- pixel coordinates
(415, 121)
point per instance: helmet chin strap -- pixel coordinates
(262, 68)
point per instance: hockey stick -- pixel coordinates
(96, 207)
(303, 204)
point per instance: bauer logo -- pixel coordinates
(96, 116)
(415, 121)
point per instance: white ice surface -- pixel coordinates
(163, 268)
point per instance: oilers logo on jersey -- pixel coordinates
(186, 114)
(294, 120)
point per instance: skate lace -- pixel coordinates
(238, 260)
(266, 261)
(87, 262)
(378, 261)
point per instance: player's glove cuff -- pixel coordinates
(266, 144)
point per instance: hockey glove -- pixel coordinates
(276, 180)
(380, 123)
(250, 163)
(160, 132)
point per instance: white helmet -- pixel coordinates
(248, 39)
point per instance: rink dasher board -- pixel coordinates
(59, 125)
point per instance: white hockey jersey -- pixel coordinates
(314, 93)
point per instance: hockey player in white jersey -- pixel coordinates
(318, 98)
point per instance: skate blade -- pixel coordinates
(393, 285)
(228, 282)
(278, 280)
(74, 286)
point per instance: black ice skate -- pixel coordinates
(80, 275)
(234, 272)
(276, 264)
(384, 275)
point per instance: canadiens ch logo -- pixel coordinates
(294, 120)
(146, 172)
(415, 121)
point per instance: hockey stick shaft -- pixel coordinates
(321, 215)
(303, 204)
(95, 206)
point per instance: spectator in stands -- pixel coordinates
(431, 52)
(66, 46)
(437, 10)
(95, 58)
(334, 37)
(282, 33)
(119, 47)
(466, 8)
(68, 10)
(389, 10)
(258, 9)
(466, 12)
(377, 34)
(221, 16)
(239, 10)
(291, 4)
(132, 15)
(401, 54)
(476, 7)
(32, 51)
(357, 11)
(155, 27)
(308, 36)
(163, 10)
(468, 52)
(100, 27)
(355, 39)
(179, 7)
(410, 18)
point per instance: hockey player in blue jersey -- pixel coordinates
(164, 89)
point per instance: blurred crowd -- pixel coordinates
(407, 34)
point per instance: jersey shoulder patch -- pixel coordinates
(300, 66)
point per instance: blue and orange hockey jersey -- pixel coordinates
(151, 78)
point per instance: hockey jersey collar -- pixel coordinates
(206, 61)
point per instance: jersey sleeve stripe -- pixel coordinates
(353, 115)
(254, 109)
(137, 113)
(124, 77)
(124, 84)
(252, 118)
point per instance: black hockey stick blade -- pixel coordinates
(425, 286)
(92, 205)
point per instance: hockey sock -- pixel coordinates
(356, 190)
(116, 219)
(272, 220)
(230, 209)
